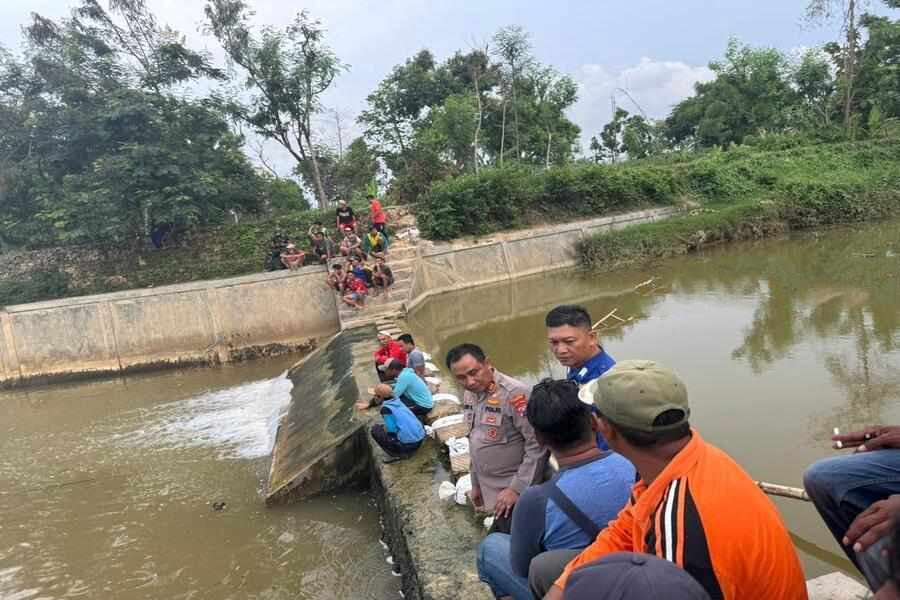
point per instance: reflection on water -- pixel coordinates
(106, 491)
(778, 342)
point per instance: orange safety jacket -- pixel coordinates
(706, 515)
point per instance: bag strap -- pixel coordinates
(577, 516)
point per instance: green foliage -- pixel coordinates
(283, 195)
(39, 285)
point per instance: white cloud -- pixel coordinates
(655, 85)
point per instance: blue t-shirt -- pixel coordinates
(401, 423)
(595, 367)
(592, 369)
(411, 385)
(599, 487)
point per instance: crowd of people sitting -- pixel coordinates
(638, 504)
(357, 263)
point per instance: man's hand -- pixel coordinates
(873, 523)
(506, 500)
(877, 437)
(554, 593)
(475, 496)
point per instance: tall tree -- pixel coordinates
(289, 69)
(513, 45)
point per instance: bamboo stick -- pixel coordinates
(602, 321)
(640, 285)
(773, 489)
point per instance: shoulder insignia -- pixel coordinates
(520, 402)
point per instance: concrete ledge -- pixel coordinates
(433, 542)
(836, 586)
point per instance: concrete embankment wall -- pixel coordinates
(197, 323)
(449, 267)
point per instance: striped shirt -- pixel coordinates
(705, 514)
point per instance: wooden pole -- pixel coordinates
(784, 491)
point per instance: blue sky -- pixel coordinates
(657, 49)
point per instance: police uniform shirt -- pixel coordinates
(502, 446)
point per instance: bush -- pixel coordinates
(36, 286)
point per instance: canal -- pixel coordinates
(107, 490)
(778, 341)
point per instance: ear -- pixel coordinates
(604, 428)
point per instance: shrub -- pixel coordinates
(39, 285)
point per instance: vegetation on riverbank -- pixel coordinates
(769, 194)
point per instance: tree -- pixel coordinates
(848, 11)
(96, 146)
(549, 95)
(878, 83)
(609, 147)
(342, 177)
(289, 69)
(514, 47)
(813, 79)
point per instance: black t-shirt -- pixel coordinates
(345, 215)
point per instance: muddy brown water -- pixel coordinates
(106, 491)
(779, 342)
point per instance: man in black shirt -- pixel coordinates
(345, 216)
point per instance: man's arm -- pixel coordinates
(526, 539)
(390, 423)
(615, 538)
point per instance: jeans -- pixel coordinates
(494, 568)
(546, 568)
(844, 486)
(390, 444)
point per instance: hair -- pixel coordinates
(372, 227)
(370, 196)
(406, 339)
(554, 410)
(458, 352)
(643, 439)
(317, 222)
(336, 267)
(568, 314)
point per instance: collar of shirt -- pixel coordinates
(683, 462)
(596, 366)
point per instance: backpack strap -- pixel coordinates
(574, 513)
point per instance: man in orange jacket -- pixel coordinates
(693, 505)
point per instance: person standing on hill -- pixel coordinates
(693, 505)
(377, 214)
(345, 217)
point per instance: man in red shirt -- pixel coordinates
(377, 214)
(388, 348)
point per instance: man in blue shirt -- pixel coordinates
(574, 343)
(402, 433)
(408, 387)
(568, 511)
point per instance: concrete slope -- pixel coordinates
(320, 444)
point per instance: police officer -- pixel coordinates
(506, 457)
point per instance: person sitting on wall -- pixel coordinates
(361, 270)
(387, 349)
(402, 432)
(292, 257)
(382, 276)
(408, 387)
(355, 291)
(315, 228)
(415, 358)
(322, 247)
(858, 496)
(375, 244)
(351, 245)
(336, 279)
(345, 217)
(694, 505)
(570, 510)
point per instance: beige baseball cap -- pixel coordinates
(635, 392)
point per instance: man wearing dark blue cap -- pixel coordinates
(630, 576)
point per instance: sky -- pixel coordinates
(655, 49)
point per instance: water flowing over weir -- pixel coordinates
(320, 445)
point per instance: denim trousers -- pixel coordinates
(495, 570)
(842, 487)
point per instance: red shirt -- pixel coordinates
(355, 285)
(392, 350)
(377, 213)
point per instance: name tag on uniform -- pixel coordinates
(492, 419)
(493, 409)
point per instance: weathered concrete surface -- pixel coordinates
(505, 256)
(836, 586)
(198, 323)
(432, 542)
(320, 443)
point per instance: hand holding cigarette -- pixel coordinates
(877, 437)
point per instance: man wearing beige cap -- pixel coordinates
(693, 505)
